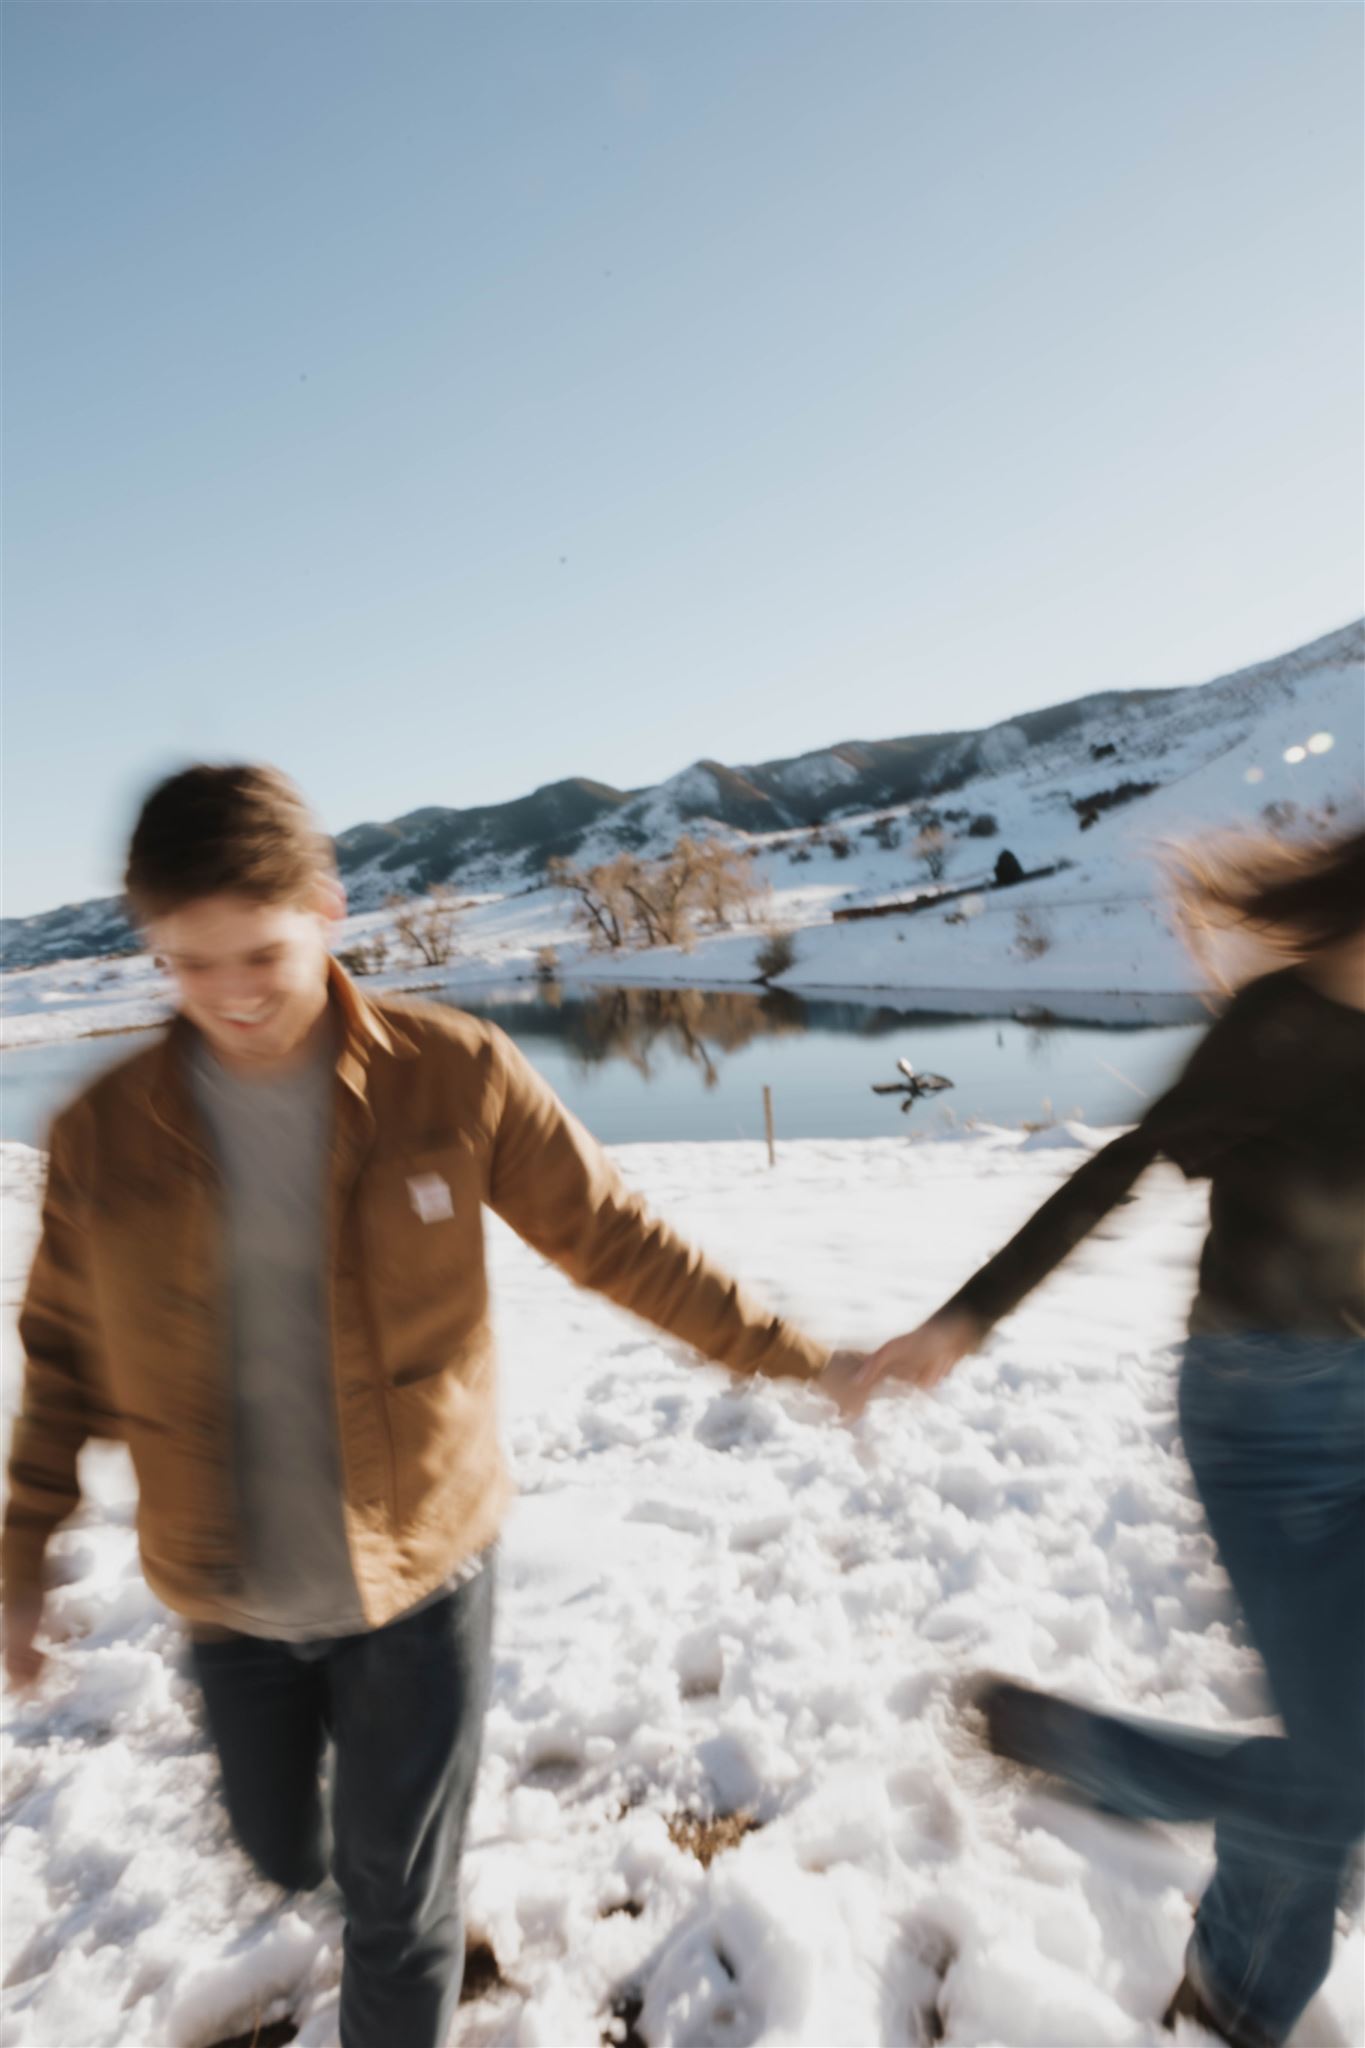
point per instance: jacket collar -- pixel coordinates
(364, 1032)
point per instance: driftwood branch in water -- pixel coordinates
(912, 1087)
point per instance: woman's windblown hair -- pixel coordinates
(1292, 898)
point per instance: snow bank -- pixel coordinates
(713, 1598)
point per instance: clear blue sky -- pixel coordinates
(442, 399)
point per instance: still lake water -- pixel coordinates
(653, 1064)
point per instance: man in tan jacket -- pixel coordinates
(262, 1267)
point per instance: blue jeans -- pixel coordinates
(1274, 1429)
(404, 1707)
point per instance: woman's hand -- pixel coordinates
(924, 1356)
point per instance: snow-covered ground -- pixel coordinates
(1288, 737)
(716, 1600)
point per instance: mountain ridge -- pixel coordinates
(507, 845)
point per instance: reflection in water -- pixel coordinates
(1038, 1035)
(663, 1064)
(634, 1024)
(700, 1025)
(640, 1063)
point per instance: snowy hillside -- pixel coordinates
(1090, 796)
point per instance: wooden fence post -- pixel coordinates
(768, 1124)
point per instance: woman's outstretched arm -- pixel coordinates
(1208, 1108)
(924, 1356)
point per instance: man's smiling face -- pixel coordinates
(251, 976)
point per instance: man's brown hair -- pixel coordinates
(244, 830)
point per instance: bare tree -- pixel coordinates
(661, 902)
(601, 910)
(426, 924)
(663, 894)
(728, 889)
(931, 847)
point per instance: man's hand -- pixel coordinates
(924, 1356)
(24, 1661)
(842, 1380)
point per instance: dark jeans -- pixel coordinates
(1274, 1429)
(404, 1707)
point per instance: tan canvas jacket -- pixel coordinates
(124, 1327)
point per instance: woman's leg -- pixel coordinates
(1275, 1432)
(1135, 1768)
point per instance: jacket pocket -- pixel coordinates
(444, 1441)
(422, 1212)
(413, 1375)
(421, 1217)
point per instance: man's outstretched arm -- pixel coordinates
(554, 1184)
(56, 1327)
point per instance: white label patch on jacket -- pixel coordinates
(430, 1197)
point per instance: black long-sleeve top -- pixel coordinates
(1270, 1110)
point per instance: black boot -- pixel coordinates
(1188, 2005)
(1044, 1733)
(1024, 1725)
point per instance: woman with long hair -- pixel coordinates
(1271, 1111)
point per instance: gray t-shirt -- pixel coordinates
(272, 1139)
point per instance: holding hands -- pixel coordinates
(919, 1359)
(927, 1355)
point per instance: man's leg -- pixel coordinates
(265, 1710)
(407, 1707)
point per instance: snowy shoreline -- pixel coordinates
(714, 1599)
(1091, 1006)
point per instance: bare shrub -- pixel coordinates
(777, 955)
(707, 1837)
(369, 955)
(1032, 938)
(885, 831)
